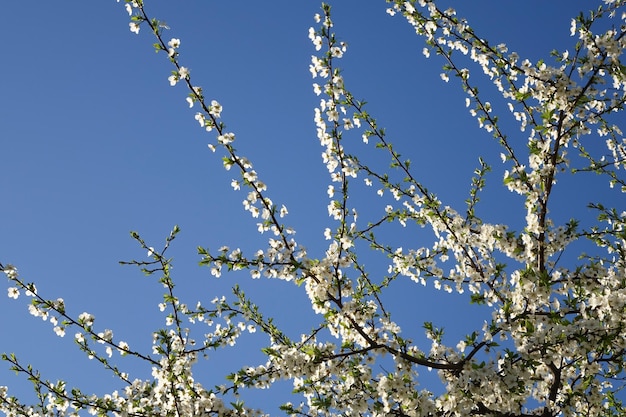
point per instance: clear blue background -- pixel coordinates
(95, 143)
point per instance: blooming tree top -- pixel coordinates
(553, 342)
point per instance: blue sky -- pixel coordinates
(95, 143)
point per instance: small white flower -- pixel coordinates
(31, 291)
(226, 138)
(335, 51)
(14, 293)
(86, 318)
(10, 271)
(333, 115)
(346, 243)
(215, 109)
(134, 27)
(317, 42)
(173, 44)
(123, 348)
